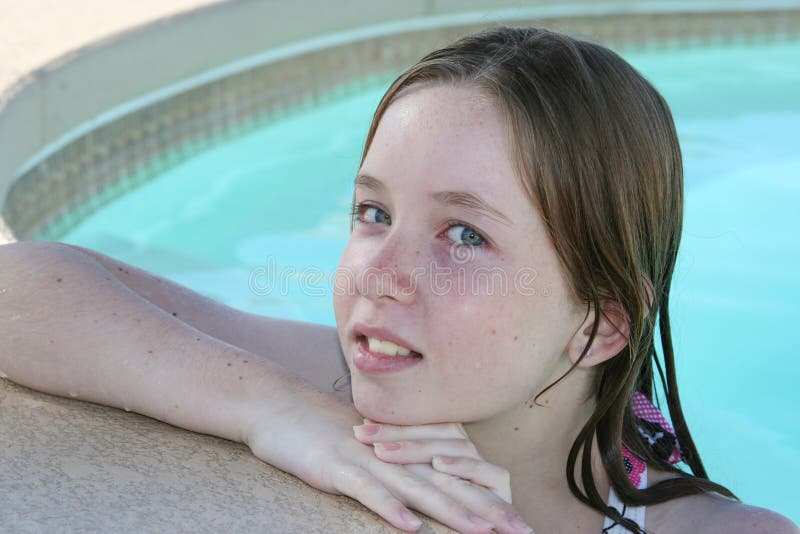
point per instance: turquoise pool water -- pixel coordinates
(278, 198)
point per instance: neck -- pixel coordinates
(532, 441)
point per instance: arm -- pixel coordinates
(274, 339)
(70, 328)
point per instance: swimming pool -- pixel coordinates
(262, 220)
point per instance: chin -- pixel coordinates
(382, 411)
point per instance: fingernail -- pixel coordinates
(519, 523)
(481, 522)
(388, 445)
(369, 430)
(411, 519)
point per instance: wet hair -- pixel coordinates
(596, 151)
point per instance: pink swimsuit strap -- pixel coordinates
(655, 428)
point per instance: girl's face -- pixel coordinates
(449, 256)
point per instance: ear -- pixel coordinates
(612, 335)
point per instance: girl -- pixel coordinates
(516, 221)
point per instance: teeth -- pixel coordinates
(387, 347)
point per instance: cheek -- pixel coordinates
(483, 348)
(344, 295)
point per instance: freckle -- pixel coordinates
(197, 339)
(176, 405)
(138, 320)
(516, 428)
(95, 321)
(51, 341)
(494, 331)
(229, 364)
(245, 361)
(174, 314)
(546, 401)
(107, 278)
(127, 272)
(114, 314)
(241, 377)
(530, 406)
(515, 338)
(119, 269)
(417, 253)
(58, 279)
(149, 352)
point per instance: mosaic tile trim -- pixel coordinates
(62, 190)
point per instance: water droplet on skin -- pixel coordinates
(73, 394)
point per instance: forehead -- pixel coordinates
(443, 138)
(447, 138)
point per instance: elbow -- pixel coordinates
(23, 262)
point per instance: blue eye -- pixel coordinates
(364, 212)
(457, 232)
(466, 236)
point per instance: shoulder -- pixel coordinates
(715, 514)
(719, 515)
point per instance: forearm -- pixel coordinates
(195, 309)
(69, 328)
(273, 338)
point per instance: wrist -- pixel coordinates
(280, 401)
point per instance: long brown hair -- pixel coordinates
(596, 150)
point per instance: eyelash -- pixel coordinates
(355, 215)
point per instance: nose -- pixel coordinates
(390, 271)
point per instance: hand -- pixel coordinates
(315, 442)
(443, 455)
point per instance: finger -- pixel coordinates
(458, 426)
(370, 432)
(493, 477)
(461, 429)
(422, 451)
(362, 486)
(446, 432)
(419, 494)
(480, 500)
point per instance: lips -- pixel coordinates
(361, 330)
(377, 364)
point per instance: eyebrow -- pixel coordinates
(462, 199)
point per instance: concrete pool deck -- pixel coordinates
(36, 32)
(68, 466)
